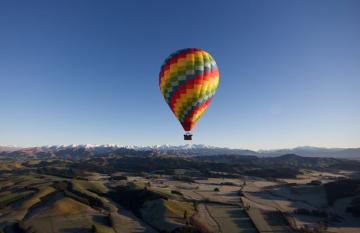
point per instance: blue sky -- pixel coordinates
(87, 72)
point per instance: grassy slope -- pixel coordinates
(94, 186)
(13, 197)
(166, 214)
(34, 199)
(64, 213)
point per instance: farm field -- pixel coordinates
(231, 218)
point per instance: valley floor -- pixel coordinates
(62, 199)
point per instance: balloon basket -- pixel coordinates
(188, 136)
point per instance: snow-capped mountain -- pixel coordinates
(198, 149)
(9, 148)
(88, 150)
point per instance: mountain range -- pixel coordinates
(88, 150)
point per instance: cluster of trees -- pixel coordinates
(314, 229)
(18, 227)
(186, 229)
(176, 192)
(133, 199)
(118, 177)
(317, 213)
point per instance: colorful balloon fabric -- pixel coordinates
(188, 80)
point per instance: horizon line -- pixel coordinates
(174, 145)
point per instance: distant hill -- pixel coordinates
(283, 161)
(9, 148)
(88, 150)
(315, 152)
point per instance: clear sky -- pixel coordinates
(87, 72)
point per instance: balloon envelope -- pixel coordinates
(188, 80)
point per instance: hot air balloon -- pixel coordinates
(188, 80)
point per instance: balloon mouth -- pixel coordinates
(187, 126)
(188, 136)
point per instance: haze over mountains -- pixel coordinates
(86, 150)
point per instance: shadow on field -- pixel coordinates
(76, 230)
(101, 219)
(240, 218)
(274, 218)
